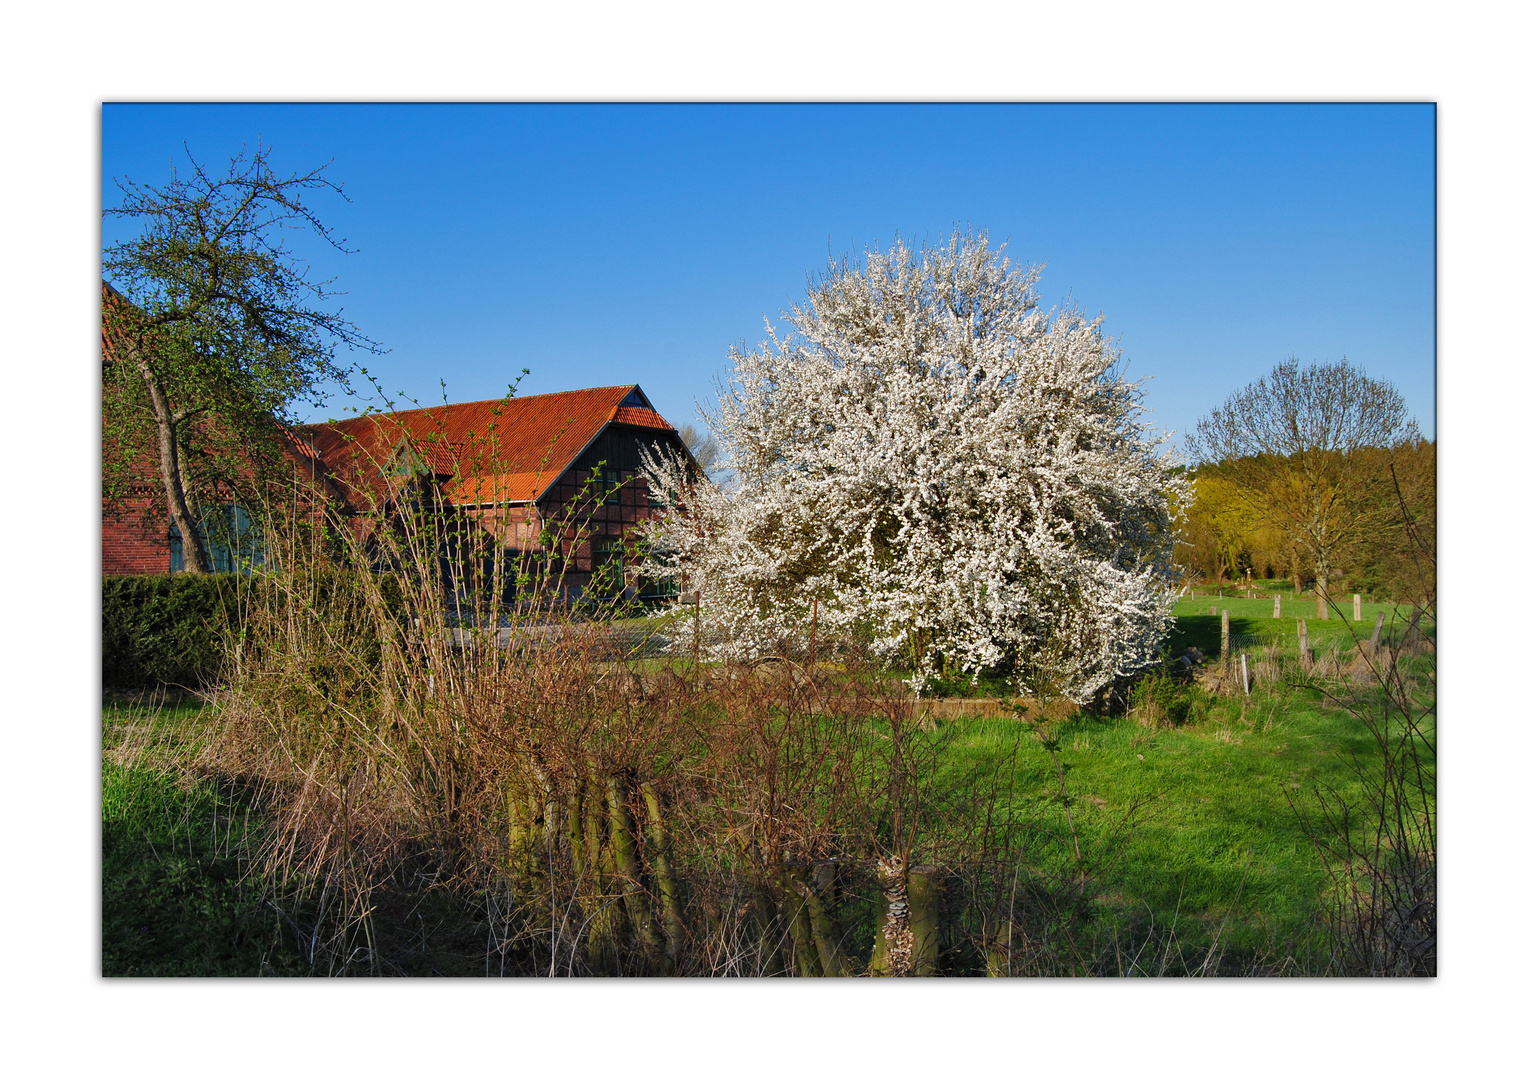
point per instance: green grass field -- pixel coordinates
(1253, 619)
(1196, 828)
(1196, 837)
(178, 893)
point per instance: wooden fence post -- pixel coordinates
(1357, 607)
(1277, 606)
(1304, 642)
(1378, 628)
(1223, 649)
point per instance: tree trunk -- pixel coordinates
(769, 932)
(622, 838)
(518, 834)
(548, 816)
(662, 869)
(793, 895)
(892, 953)
(816, 890)
(194, 558)
(924, 906)
(1322, 589)
(881, 958)
(605, 922)
(574, 830)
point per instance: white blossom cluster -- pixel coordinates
(947, 471)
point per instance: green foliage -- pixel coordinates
(1161, 701)
(167, 630)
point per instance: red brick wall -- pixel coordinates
(128, 546)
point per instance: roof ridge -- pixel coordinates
(488, 401)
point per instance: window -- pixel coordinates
(608, 549)
(611, 479)
(648, 588)
(229, 536)
(608, 564)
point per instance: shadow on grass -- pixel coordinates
(178, 898)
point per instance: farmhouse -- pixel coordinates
(558, 472)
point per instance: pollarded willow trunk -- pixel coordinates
(804, 952)
(627, 866)
(550, 813)
(533, 825)
(595, 886)
(925, 886)
(825, 926)
(661, 855)
(892, 952)
(770, 935)
(520, 861)
(574, 832)
(808, 897)
(908, 939)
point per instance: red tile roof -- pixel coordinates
(646, 418)
(509, 449)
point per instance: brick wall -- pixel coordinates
(128, 545)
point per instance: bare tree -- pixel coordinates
(215, 327)
(1303, 447)
(704, 449)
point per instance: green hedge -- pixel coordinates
(166, 630)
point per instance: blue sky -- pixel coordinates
(604, 244)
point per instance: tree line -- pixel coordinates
(1314, 474)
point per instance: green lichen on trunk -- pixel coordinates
(667, 887)
(627, 867)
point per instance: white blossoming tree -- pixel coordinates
(931, 463)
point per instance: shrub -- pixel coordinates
(166, 631)
(1158, 701)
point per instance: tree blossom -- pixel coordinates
(945, 470)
